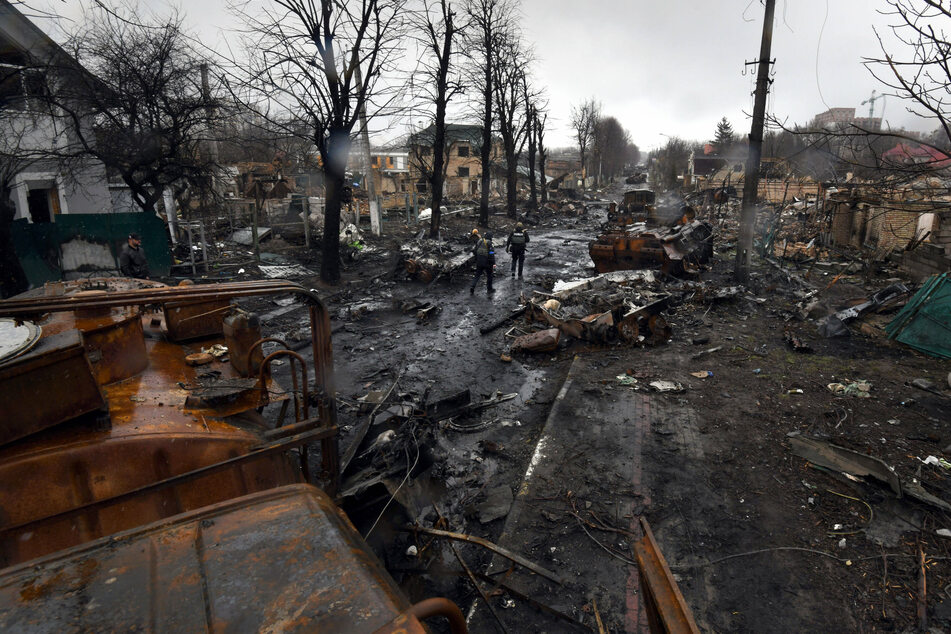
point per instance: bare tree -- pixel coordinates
(322, 62)
(919, 74)
(670, 162)
(16, 154)
(488, 20)
(532, 134)
(613, 147)
(540, 120)
(584, 118)
(510, 81)
(139, 109)
(437, 21)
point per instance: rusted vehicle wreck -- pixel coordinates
(143, 488)
(639, 235)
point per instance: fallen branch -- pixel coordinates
(472, 539)
(475, 584)
(514, 314)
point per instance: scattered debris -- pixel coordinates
(280, 272)
(662, 385)
(498, 501)
(541, 341)
(853, 463)
(859, 389)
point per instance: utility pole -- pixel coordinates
(369, 183)
(744, 247)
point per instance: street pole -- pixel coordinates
(368, 180)
(744, 247)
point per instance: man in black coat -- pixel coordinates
(132, 260)
(516, 243)
(485, 261)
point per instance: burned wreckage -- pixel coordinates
(143, 487)
(638, 235)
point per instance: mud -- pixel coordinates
(751, 531)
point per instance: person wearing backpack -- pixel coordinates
(485, 262)
(516, 244)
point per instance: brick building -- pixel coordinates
(920, 229)
(463, 164)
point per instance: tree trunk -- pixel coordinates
(542, 159)
(533, 187)
(583, 173)
(486, 153)
(511, 184)
(12, 278)
(330, 244)
(439, 148)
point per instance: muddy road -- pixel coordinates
(562, 468)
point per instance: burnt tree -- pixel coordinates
(541, 118)
(509, 69)
(321, 62)
(488, 20)
(440, 32)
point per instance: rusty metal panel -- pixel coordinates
(191, 320)
(115, 344)
(48, 385)
(667, 611)
(284, 560)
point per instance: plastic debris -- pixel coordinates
(702, 374)
(936, 461)
(662, 385)
(859, 389)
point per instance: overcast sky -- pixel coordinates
(672, 67)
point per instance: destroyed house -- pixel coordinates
(778, 181)
(391, 173)
(910, 221)
(40, 186)
(463, 168)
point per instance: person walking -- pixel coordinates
(516, 244)
(485, 262)
(132, 260)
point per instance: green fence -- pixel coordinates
(39, 246)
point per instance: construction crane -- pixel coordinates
(871, 103)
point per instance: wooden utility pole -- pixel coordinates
(744, 247)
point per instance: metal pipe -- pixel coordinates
(261, 342)
(439, 606)
(266, 370)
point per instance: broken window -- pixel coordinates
(18, 84)
(463, 171)
(463, 151)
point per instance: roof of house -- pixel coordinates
(455, 132)
(18, 34)
(904, 152)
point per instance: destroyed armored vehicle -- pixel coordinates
(675, 250)
(636, 206)
(143, 486)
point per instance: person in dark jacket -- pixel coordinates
(485, 262)
(516, 243)
(132, 260)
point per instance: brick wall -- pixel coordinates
(895, 228)
(926, 260)
(842, 224)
